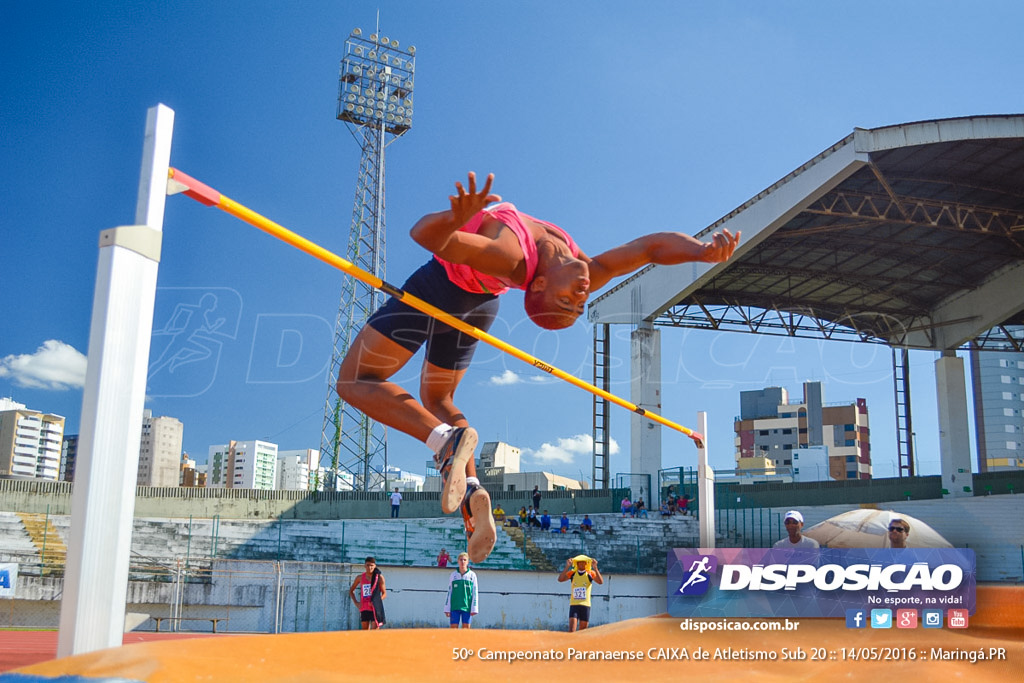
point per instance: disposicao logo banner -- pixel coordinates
(769, 582)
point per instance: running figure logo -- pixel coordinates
(191, 327)
(696, 578)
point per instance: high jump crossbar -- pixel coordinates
(179, 182)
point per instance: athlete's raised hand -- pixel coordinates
(466, 203)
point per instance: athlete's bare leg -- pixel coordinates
(437, 392)
(363, 382)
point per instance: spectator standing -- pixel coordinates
(396, 503)
(462, 603)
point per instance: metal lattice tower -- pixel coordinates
(602, 416)
(375, 101)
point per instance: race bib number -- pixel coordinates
(367, 590)
(579, 593)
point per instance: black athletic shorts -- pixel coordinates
(446, 347)
(580, 612)
(367, 615)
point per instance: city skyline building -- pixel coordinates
(192, 475)
(404, 480)
(68, 456)
(498, 468)
(30, 441)
(997, 383)
(772, 432)
(242, 465)
(160, 450)
(294, 468)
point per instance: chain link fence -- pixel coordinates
(218, 596)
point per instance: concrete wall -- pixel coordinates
(55, 498)
(302, 597)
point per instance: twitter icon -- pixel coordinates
(881, 618)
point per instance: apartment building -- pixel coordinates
(294, 468)
(242, 465)
(30, 442)
(160, 451)
(773, 432)
(997, 380)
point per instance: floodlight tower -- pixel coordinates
(375, 101)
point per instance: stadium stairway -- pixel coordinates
(47, 541)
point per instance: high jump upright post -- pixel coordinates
(705, 487)
(103, 503)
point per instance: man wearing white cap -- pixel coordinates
(794, 522)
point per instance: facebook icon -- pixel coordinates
(856, 618)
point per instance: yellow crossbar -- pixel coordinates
(181, 182)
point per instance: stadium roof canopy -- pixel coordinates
(909, 235)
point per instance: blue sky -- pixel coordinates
(611, 119)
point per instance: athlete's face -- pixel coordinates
(556, 299)
(581, 566)
(568, 287)
(463, 564)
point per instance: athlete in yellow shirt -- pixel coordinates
(583, 575)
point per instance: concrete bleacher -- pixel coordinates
(15, 542)
(623, 545)
(414, 542)
(993, 526)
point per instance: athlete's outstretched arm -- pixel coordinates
(663, 248)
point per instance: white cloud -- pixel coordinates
(567, 450)
(508, 378)
(55, 365)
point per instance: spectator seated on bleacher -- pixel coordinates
(545, 521)
(639, 509)
(586, 524)
(626, 507)
(563, 526)
(665, 512)
(499, 514)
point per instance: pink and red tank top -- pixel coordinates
(474, 281)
